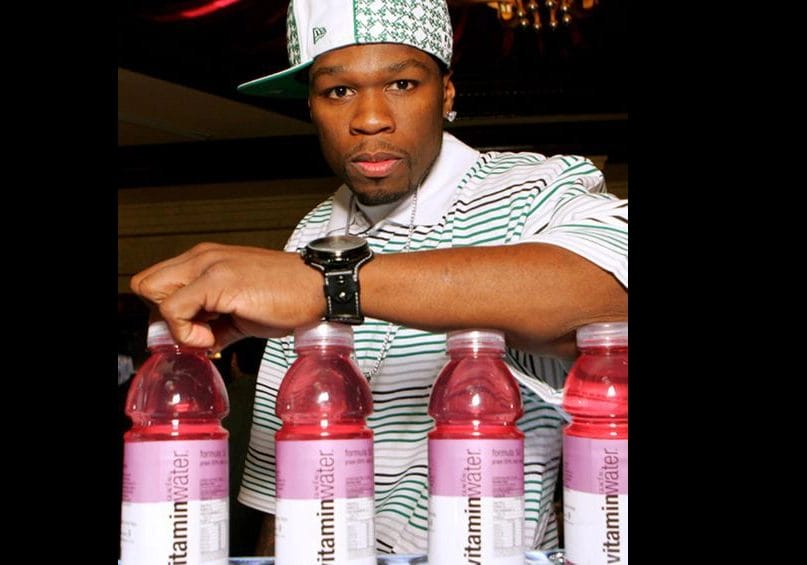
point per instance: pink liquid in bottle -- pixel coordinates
(324, 450)
(595, 448)
(476, 456)
(175, 504)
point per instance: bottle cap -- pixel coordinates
(476, 339)
(605, 334)
(159, 334)
(323, 333)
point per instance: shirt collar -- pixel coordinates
(435, 195)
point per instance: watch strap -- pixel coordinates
(342, 294)
(342, 297)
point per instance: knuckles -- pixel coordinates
(204, 247)
(141, 285)
(168, 310)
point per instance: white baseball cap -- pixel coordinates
(316, 26)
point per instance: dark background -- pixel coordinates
(507, 79)
(562, 91)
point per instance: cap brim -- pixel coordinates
(291, 83)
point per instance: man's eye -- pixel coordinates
(338, 92)
(403, 84)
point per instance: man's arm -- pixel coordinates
(538, 294)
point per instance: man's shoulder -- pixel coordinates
(504, 168)
(313, 225)
(502, 162)
(319, 213)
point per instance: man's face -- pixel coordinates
(379, 111)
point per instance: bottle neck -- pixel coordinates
(175, 348)
(461, 352)
(326, 349)
(604, 350)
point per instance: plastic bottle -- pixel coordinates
(476, 456)
(324, 451)
(175, 506)
(595, 448)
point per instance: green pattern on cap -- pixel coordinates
(292, 39)
(424, 24)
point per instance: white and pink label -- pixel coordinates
(325, 507)
(595, 500)
(175, 507)
(476, 501)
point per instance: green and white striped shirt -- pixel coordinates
(468, 199)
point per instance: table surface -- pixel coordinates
(530, 558)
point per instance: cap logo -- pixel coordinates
(319, 33)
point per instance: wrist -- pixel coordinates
(339, 259)
(312, 280)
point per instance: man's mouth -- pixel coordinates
(376, 165)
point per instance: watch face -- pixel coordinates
(338, 247)
(337, 243)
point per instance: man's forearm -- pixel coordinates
(538, 294)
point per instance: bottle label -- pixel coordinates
(476, 501)
(595, 500)
(325, 508)
(175, 506)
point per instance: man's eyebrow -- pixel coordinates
(336, 69)
(393, 68)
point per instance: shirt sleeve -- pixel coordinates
(576, 212)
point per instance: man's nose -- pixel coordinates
(372, 114)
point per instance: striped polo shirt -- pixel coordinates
(468, 199)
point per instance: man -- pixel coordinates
(525, 244)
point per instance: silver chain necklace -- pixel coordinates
(392, 329)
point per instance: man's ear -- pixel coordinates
(448, 93)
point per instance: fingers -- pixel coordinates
(207, 330)
(161, 279)
(187, 310)
(225, 333)
(214, 295)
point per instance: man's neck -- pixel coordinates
(378, 212)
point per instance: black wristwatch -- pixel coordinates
(339, 258)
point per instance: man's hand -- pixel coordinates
(214, 295)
